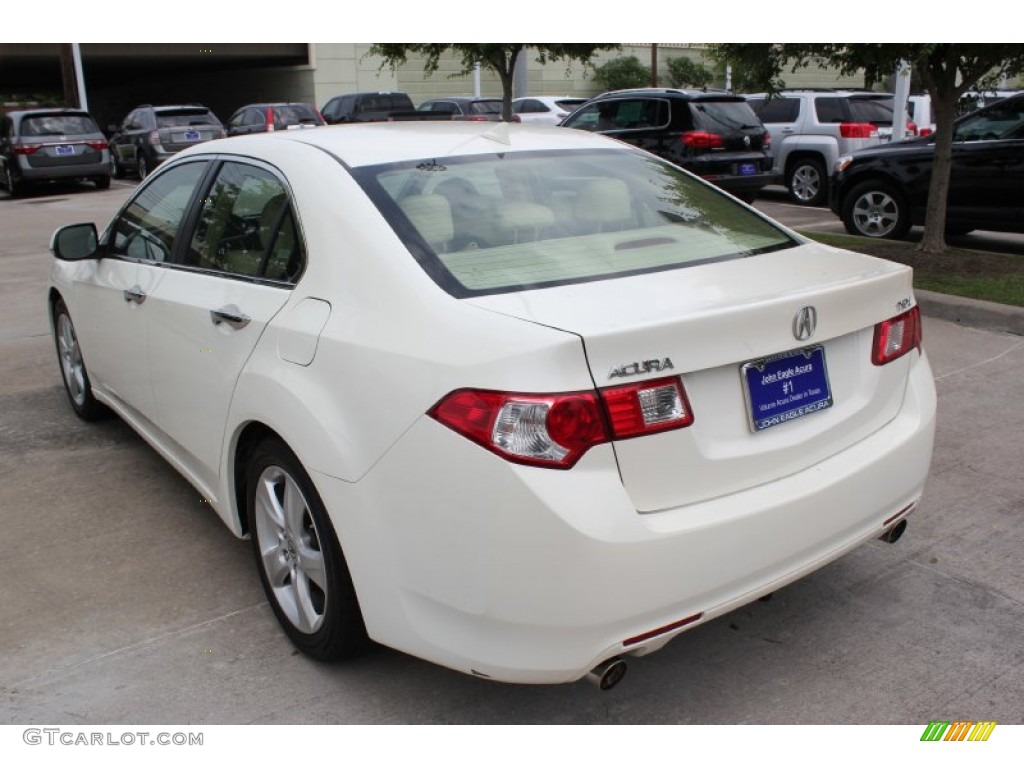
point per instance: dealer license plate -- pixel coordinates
(747, 169)
(65, 149)
(785, 387)
(191, 135)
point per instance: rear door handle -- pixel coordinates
(230, 315)
(135, 293)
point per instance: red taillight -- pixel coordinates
(896, 336)
(26, 149)
(270, 119)
(478, 118)
(555, 430)
(98, 145)
(924, 132)
(766, 140)
(703, 140)
(647, 407)
(911, 128)
(858, 130)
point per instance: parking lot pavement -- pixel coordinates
(124, 600)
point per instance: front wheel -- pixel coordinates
(72, 366)
(300, 562)
(141, 166)
(808, 182)
(875, 209)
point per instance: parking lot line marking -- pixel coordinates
(137, 645)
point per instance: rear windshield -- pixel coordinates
(877, 111)
(485, 107)
(384, 102)
(294, 114)
(178, 117)
(58, 125)
(569, 105)
(517, 221)
(724, 117)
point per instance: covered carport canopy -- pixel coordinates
(120, 76)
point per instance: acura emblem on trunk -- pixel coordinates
(804, 323)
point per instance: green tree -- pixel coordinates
(945, 70)
(498, 57)
(623, 72)
(684, 72)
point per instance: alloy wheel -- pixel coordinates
(876, 214)
(71, 359)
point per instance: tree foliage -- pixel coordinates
(944, 70)
(499, 57)
(623, 72)
(684, 72)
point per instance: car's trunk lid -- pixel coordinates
(707, 322)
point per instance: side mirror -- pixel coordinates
(75, 242)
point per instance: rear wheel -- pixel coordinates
(72, 366)
(875, 209)
(301, 565)
(115, 167)
(141, 166)
(808, 182)
(12, 185)
(101, 182)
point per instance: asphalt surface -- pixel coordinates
(124, 600)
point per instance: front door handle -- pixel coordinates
(135, 293)
(230, 315)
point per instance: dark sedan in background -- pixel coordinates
(883, 191)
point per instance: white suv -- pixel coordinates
(811, 129)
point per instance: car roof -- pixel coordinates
(694, 94)
(22, 113)
(364, 144)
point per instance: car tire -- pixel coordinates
(11, 184)
(72, 366)
(299, 559)
(141, 166)
(101, 182)
(808, 182)
(875, 209)
(116, 168)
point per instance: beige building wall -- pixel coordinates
(347, 67)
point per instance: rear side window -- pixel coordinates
(776, 110)
(517, 221)
(485, 107)
(58, 125)
(246, 227)
(295, 114)
(623, 114)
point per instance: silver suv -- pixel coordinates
(811, 129)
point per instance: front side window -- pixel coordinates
(512, 222)
(1002, 121)
(149, 225)
(247, 227)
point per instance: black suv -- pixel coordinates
(882, 191)
(149, 135)
(366, 107)
(715, 135)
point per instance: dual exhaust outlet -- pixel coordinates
(608, 674)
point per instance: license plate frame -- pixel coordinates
(64, 150)
(746, 169)
(784, 387)
(192, 136)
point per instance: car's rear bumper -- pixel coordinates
(78, 171)
(533, 575)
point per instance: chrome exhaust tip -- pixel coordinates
(892, 535)
(608, 674)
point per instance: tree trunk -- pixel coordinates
(944, 105)
(506, 73)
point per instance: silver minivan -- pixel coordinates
(52, 144)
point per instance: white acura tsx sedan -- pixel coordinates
(521, 401)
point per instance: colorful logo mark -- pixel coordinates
(958, 730)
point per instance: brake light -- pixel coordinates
(555, 430)
(924, 132)
(26, 149)
(703, 140)
(766, 140)
(911, 128)
(478, 118)
(154, 138)
(858, 130)
(98, 145)
(270, 119)
(896, 336)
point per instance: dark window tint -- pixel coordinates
(246, 226)
(877, 111)
(295, 114)
(385, 102)
(528, 106)
(1003, 121)
(178, 117)
(830, 109)
(724, 116)
(149, 225)
(776, 110)
(485, 107)
(624, 114)
(58, 125)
